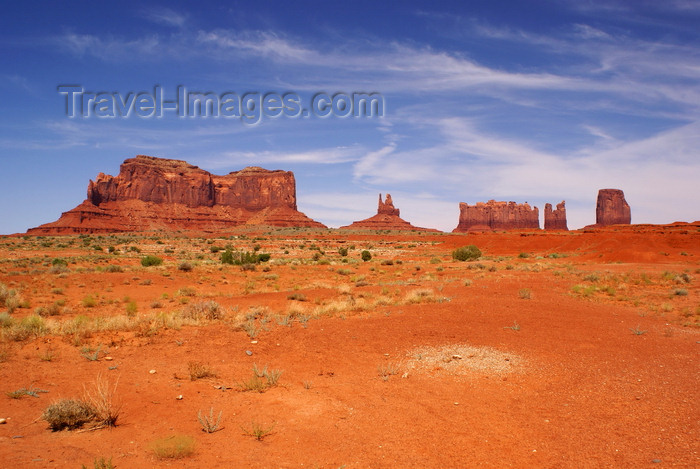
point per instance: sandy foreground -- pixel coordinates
(553, 350)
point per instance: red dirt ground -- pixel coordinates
(579, 388)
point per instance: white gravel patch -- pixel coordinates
(461, 359)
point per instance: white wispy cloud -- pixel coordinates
(165, 16)
(334, 155)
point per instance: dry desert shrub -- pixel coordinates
(209, 423)
(199, 370)
(68, 413)
(419, 295)
(173, 447)
(208, 310)
(101, 397)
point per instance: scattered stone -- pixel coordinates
(109, 359)
(179, 397)
(3, 421)
(248, 352)
(456, 357)
(253, 341)
(152, 372)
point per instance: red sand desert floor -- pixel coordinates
(560, 350)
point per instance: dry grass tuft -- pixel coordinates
(199, 370)
(101, 398)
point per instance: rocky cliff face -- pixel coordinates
(161, 194)
(494, 215)
(612, 208)
(387, 218)
(555, 219)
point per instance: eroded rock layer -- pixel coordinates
(162, 194)
(494, 215)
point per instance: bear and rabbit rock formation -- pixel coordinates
(162, 194)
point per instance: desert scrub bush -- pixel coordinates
(243, 257)
(419, 295)
(209, 423)
(185, 267)
(68, 413)
(524, 255)
(20, 393)
(366, 256)
(208, 310)
(131, 309)
(257, 430)
(388, 369)
(53, 309)
(34, 325)
(173, 446)
(682, 278)
(148, 261)
(101, 463)
(680, 292)
(466, 253)
(343, 252)
(197, 370)
(9, 298)
(89, 301)
(261, 380)
(186, 291)
(101, 397)
(297, 297)
(524, 294)
(113, 269)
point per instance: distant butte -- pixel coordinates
(387, 218)
(555, 219)
(494, 215)
(152, 194)
(612, 208)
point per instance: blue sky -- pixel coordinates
(535, 101)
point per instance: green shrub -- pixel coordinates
(343, 251)
(366, 255)
(243, 257)
(466, 253)
(185, 266)
(89, 301)
(149, 261)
